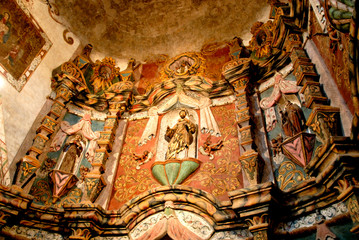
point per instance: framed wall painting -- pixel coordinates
(23, 44)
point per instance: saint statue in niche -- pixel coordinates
(293, 120)
(180, 137)
(72, 151)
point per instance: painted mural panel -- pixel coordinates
(129, 181)
(335, 50)
(22, 43)
(214, 55)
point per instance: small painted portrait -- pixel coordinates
(5, 27)
(15, 53)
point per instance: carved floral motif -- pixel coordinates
(289, 175)
(184, 65)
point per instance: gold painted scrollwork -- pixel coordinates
(67, 39)
(288, 174)
(74, 74)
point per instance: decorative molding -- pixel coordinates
(310, 220)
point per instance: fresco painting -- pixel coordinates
(22, 43)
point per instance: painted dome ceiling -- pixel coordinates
(140, 28)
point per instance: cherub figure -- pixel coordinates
(142, 159)
(208, 148)
(83, 172)
(276, 145)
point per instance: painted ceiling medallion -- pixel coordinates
(105, 72)
(184, 65)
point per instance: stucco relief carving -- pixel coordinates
(177, 224)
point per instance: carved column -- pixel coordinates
(237, 73)
(324, 119)
(94, 182)
(30, 163)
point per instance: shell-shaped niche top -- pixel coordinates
(186, 64)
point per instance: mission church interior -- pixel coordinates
(183, 120)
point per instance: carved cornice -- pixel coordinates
(339, 160)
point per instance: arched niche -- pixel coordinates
(169, 120)
(73, 152)
(172, 224)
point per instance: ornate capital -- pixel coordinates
(293, 41)
(94, 183)
(313, 95)
(238, 73)
(27, 166)
(80, 234)
(304, 71)
(324, 122)
(258, 226)
(252, 166)
(65, 91)
(258, 223)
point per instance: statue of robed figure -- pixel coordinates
(180, 137)
(177, 165)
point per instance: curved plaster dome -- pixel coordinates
(140, 28)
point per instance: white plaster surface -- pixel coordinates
(21, 108)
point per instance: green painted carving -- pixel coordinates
(187, 168)
(172, 169)
(174, 172)
(158, 171)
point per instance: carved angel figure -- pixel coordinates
(208, 148)
(180, 137)
(144, 158)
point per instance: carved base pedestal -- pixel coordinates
(174, 171)
(61, 183)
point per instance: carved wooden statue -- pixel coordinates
(180, 137)
(72, 150)
(293, 120)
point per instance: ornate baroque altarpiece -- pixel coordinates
(23, 44)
